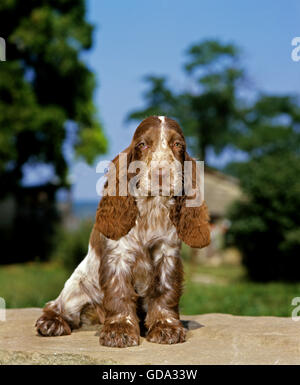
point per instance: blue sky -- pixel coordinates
(134, 38)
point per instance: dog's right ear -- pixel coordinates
(116, 214)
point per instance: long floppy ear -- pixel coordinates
(192, 223)
(116, 214)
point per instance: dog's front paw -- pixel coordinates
(51, 324)
(165, 332)
(119, 335)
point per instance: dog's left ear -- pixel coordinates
(116, 214)
(192, 223)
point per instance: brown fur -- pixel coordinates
(52, 323)
(192, 223)
(162, 320)
(116, 215)
(193, 227)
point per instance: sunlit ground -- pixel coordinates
(223, 289)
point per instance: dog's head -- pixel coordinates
(158, 154)
(154, 164)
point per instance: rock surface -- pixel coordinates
(212, 339)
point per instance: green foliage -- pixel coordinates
(209, 52)
(231, 292)
(43, 86)
(243, 298)
(209, 111)
(270, 125)
(31, 284)
(71, 245)
(266, 225)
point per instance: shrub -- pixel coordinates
(266, 226)
(72, 245)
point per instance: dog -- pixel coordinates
(133, 274)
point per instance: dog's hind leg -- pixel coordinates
(81, 290)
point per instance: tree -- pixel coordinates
(266, 225)
(45, 88)
(209, 111)
(44, 85)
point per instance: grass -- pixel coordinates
(31, 284)
(229, 291)
(223, 289)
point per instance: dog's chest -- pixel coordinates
(158, 238)
(145, 247)
(153, 221)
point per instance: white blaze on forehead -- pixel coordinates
(163, 139)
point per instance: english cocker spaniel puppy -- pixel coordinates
(133, 272)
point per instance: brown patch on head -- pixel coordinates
(148, 123)
(149, 134)
(173, 125)
(177, 144)
(146, 138)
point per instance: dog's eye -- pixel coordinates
(177, 144)
(142, 146)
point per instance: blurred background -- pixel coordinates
(79, 75)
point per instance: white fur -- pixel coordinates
(163, 139)
(80, 289)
